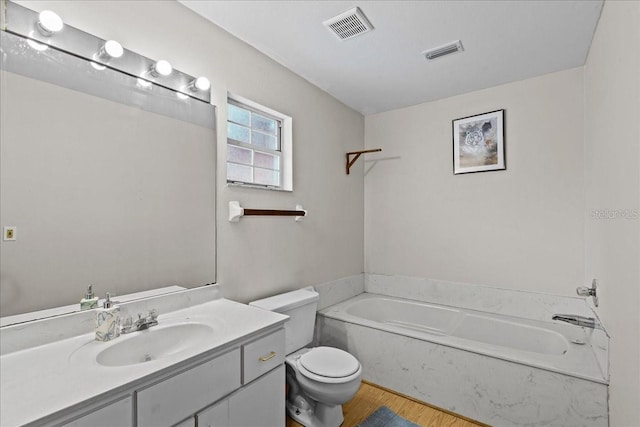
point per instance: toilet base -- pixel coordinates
(315, 414)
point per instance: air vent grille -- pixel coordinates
(349, 24)
(444, 50)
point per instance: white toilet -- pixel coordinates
(320, 379)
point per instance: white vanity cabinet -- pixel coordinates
(119, 413)
(242, 386)
(260, 404)
(209, 359)
(182, 395)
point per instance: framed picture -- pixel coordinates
(478, 143)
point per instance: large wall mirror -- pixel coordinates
(109, 181)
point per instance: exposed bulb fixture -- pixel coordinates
(143, 83)
(37, 46)
(97, 66)
(110, 49)
(201, 83)
(49, 23)
(161, 68)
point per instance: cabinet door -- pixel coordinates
(174, 399)
(116, 414)
(215, 416)
(260, 403)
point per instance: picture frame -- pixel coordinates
(478, 143)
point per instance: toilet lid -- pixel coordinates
(329, 362)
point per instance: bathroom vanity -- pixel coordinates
(209, 360)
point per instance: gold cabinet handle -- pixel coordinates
(267, 357)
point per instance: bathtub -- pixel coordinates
(498, 369)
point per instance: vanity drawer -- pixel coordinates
(262, 355)
(182, 395)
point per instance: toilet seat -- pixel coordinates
(328, 365)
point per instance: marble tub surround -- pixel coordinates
(487, 389)
(43, 331)
(497, 382)
(339, 290)
(41, 382)
(528, 305)
(553, 346)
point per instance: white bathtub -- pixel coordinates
(549, 345)
(494, 368)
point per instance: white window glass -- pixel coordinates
(239, 173)
(266, 176)
(239, 155)
(239, 133)
(265, 160)
(239, 115)
(264, 140)
(254, 153)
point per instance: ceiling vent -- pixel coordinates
(444, 50)
(349, 24)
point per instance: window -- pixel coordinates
(258, 145)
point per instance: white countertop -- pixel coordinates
(39, 381)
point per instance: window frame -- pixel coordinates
(284, 140)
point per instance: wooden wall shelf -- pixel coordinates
(357, 154)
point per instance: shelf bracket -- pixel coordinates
(357, 154)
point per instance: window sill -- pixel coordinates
(259, 187)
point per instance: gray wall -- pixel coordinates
(612, 172)
(521, 228)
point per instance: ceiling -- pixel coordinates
(504, 41)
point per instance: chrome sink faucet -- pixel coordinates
(587, 322)
(142, 323)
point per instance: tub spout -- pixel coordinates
(588, 322)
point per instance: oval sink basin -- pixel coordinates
(154, 343)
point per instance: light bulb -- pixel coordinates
(49, 22)
(162, 68)
(201, 83)
(110, 49)
(143, 83)
(37, 46)
(113, 49)
(97, 66)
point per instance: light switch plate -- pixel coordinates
(9, 233)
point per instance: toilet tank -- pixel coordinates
(300, 306)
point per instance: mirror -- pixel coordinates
(107, 179)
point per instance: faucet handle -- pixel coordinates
(583, 291)
(127, 324)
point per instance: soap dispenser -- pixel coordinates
(108, 321)
(89, 300)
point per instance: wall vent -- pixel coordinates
(349, 24)
(444, 50)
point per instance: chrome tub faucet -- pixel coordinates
(587, 322)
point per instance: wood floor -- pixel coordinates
(370, 397)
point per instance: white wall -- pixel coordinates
(521, 228)
(257, 256)
(612, 177)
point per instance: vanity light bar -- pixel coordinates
(47, 29)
